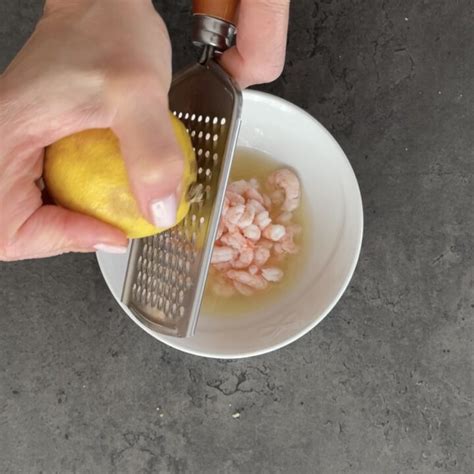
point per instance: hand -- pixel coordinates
(88, 64)
(259, 55)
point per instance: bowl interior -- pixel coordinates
(333, 236)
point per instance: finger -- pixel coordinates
(52, 230)
(153, 158)
(259, 55)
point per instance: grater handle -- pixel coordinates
(214, 23)
(222, 9)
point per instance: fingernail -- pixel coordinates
(164, 211)
(111, 248)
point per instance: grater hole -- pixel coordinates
(193, 117)
(207, 119)
(223, 121)
(186, 115)
(181, 311)
(207, 154)
(208, 136)
(199, 119)
(200, 170)
(201, 221)
(200, 134)
(174, 112)
(215, 120)
(215, 137)
(199, 153)
(193, 133)
(189, 282)
(180, 115)
(215, 157)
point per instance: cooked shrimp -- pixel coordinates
(253, 232)
(272, 274)
(234, 240)
(263, 220)
(222, 267)
(253, 281)
(252, 193)
(257, 206)
(274, 232)
(288, 182)
(261, 257)
(245, 258)
(222, 254)
(238, 187)
(247, 217)
(253, 269)
(234, 213)
(234, 198)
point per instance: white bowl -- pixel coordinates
(291, 136)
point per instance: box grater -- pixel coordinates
(166, 273)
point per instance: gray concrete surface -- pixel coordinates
(383, 385)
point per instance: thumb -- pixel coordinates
(52, 230)
(153, 158)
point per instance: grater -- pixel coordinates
(166, 273)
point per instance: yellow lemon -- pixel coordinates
(85, 172)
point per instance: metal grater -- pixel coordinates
(166, 273)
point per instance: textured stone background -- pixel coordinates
(383, 385)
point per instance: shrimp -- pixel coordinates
(263, 220)
(238, 187)
(245, 258)
(256, 205)
(253, 232)
(274, 232)
(253, 281)
(267, 202)
(234, 240)
(234, 213)
(272, 274)
(222, 254)
(246, 218)
(287, 181)
(262, 255)
(253, 269)
(234, 198)
(254, 194)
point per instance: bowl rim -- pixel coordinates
(252, 94)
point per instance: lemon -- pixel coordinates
(85, 172)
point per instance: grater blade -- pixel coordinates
(167, 273)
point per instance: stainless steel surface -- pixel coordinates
(213, 32)
(167, 273)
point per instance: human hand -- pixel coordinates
(259, 55)
(88, 65)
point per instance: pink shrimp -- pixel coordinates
(263, 220)
(262, 254)
(234, 213)
(247, 217)
(272, 274)
(234, 198)
(274, 232)
(286, 181)
(234, 240)
(253, 281)
(244, 259)
(222, 254)
(253, 270)
(238, 187)
(253, 232)
(256, 205)
(222, 267)
(254, 194)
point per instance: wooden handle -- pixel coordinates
(223, 9)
